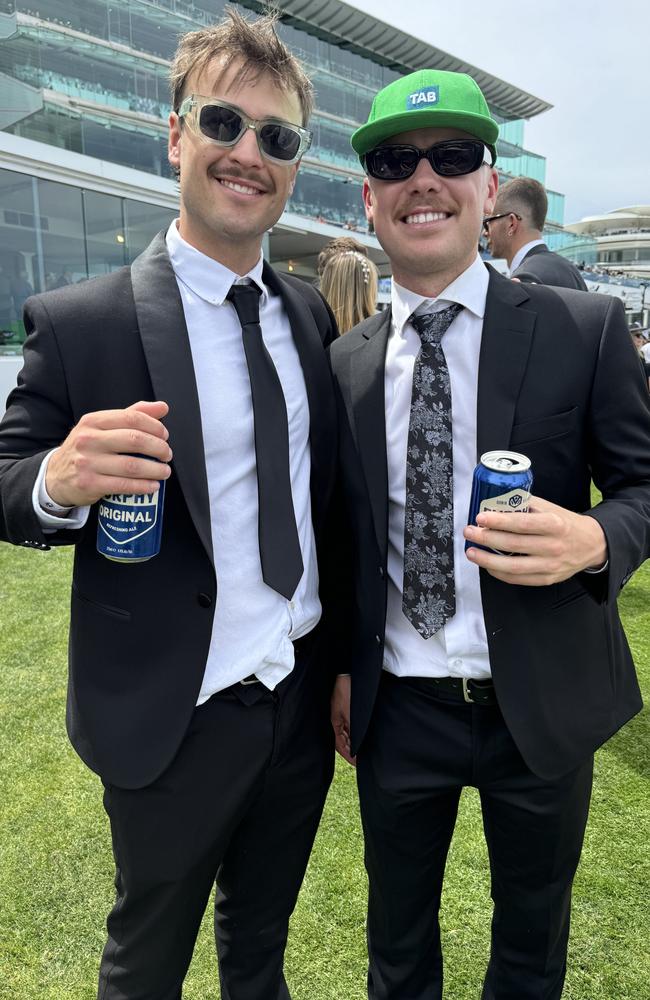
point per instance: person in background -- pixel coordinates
(21, 289)
(469, 666)
(349, 284)
(337, 246)
(6, 305)
(199, 680)
(514, 232)
(638, 339)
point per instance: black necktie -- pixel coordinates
(428, 592)
(280, 553)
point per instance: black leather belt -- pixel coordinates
(455, 688)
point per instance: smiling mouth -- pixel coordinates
(239, 187)
(419, 217)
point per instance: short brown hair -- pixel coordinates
(337, 246)
(255, 43)
(526, 197)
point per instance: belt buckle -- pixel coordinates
(251, 679)
(467, 694)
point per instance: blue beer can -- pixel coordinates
(129, 525)
(502, 483)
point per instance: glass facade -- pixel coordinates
(92, 78)
(54, 234)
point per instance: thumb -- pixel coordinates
(154, 408)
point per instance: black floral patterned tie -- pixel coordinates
(428, 592)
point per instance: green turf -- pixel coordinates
(56, 866)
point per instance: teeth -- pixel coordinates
(425, 217)
(242, 188)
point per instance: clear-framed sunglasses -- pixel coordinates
(224, 124)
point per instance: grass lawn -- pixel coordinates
(56, 865)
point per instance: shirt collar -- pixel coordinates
(469, 290)
(203, 275)
(522, 251)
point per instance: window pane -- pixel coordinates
(142, 224)
(105, 240)
(19, 264)
(61, 223)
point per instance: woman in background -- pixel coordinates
(349, 283)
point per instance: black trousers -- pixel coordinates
(420, 752)
(240, 803)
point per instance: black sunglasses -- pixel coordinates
(224, 124)
(493, 218)
(451, 158)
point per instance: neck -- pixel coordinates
(428, 285)
(238, 256)
(520, 240)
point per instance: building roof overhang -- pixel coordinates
(353, 29)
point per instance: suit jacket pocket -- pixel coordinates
(108, 609)
(553, 426)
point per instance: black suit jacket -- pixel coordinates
(542, 266)
(139, 634)
(558, 381)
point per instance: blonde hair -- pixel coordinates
(349, 283)
(255, 43)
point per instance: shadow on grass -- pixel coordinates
(631, 745)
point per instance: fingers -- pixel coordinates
(342, 744)
(143, 417)
(111, 451)
(526, 571)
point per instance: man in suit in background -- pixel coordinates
(197, 689)
(504, 672)
(514, 231)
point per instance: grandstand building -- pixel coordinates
(84, 178)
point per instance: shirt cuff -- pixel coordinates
(46, 509)
(601, 569)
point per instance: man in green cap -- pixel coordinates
(470, 666)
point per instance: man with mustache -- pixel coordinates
(197, 684)
(504, 672)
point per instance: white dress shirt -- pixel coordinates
(460, 648)
(522, 251)
(253, 624)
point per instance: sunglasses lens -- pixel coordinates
(220, 124)
(452, 159)
(279, 141)
(391, 163)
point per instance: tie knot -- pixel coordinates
(431, 326)
(246, 300)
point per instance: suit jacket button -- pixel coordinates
(204, 600)
(378, 640)
(381, 572)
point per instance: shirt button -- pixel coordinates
(457, 664)
(204, 600)
(292, 604)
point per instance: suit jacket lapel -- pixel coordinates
(320, 396)
(367, 364)
(505, 346)
(167, 349)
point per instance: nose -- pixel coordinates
(246, 152)
(425, 178)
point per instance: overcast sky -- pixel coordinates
(590, 60)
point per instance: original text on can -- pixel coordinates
(129, 525)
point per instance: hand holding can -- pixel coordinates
(502, 482)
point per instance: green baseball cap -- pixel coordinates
(428, 98)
